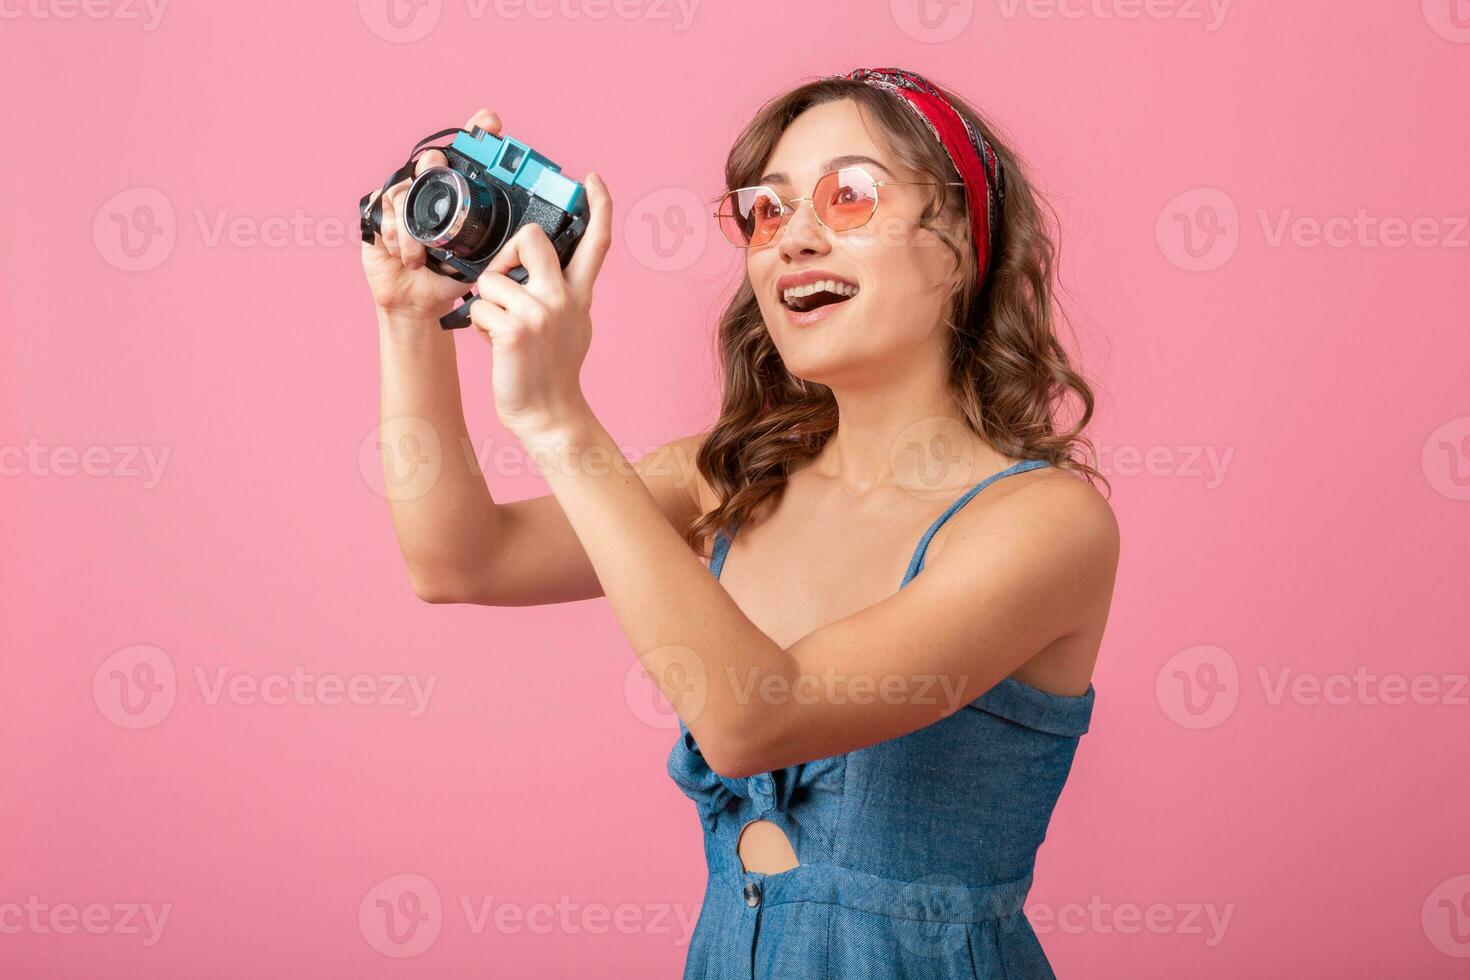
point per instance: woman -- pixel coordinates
(874, 753)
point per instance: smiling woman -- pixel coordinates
(873, 753)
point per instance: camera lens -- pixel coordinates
(449, 211)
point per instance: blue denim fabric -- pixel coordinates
(916, 854)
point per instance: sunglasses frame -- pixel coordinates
(788, 208)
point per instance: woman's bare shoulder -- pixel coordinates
(671, 473)
(1057, 510)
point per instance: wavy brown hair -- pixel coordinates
(1008, 373)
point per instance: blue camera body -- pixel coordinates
(510, 161)
(466, 211)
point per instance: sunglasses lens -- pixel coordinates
(750, 216)
(845, 198)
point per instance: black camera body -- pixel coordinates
(465, 212)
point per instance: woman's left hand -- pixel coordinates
(540, 331)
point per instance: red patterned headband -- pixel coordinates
(971, 153)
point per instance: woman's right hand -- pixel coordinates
(402, 285)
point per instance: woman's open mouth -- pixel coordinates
(820, 294)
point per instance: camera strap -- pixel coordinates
(370, 208)
(370, 215)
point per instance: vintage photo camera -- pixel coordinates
(466, 211)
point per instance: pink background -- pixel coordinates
(1323, 833)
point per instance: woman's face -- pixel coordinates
(904, 274)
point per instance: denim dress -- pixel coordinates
(916, 853)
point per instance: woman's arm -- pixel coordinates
(459, 545)
(1013, 578)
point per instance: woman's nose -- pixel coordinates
(803, 233)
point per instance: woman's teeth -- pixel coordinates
(796, 296)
